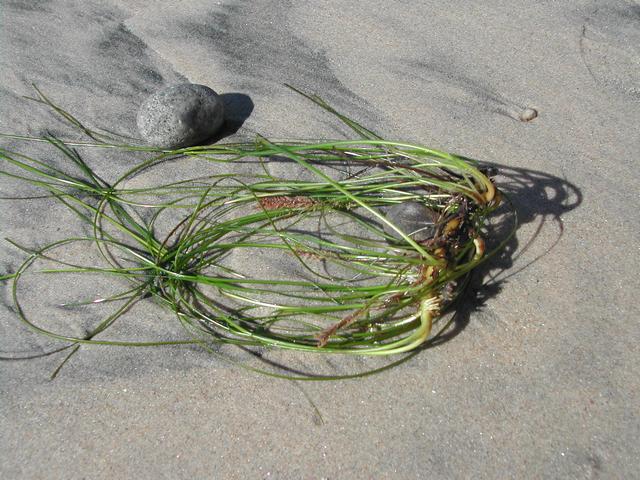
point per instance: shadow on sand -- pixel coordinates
(237, 108)
(535, 197)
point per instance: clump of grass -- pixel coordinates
(361, 291)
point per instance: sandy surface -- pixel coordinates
(541, 379)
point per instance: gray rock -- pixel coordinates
(413, 218)
(180, 116)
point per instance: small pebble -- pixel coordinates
(413, 218)
(528, 114)
(180, 116)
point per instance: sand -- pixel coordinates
(540, 379)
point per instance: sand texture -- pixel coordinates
(539, 378)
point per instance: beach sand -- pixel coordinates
(539, 378)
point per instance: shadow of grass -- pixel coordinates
(537, 198)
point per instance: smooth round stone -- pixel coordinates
(413, 218)
(180, 116)
(528, 114)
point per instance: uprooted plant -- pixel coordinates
(364, 286)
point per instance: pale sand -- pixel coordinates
(542, 380)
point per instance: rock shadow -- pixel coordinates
(237, 109)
